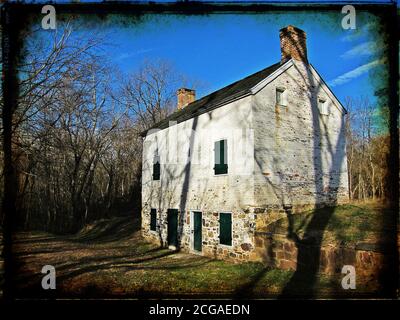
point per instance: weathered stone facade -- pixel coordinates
(300, 156)
(242, 247)
(286, 156)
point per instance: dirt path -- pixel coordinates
(95, 262)
(110, 259)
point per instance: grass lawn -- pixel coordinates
(110, 259)
(348, 225)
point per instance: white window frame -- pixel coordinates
(323, 106)
(227, 157)
(156, 159)
(283, 101)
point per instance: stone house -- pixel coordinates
(221, 168)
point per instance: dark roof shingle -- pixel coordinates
(216, 98)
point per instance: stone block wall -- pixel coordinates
(157, 236)
(251, 237)
(300, 154)
(277, 251)
(243, 224)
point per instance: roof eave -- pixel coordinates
(272, 76)
(238, 96)
(344, 110)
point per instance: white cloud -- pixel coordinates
(352, 35)
(363, 49)
(129, 55)
(355, 73)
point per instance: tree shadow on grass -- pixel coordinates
(103, 231)
(156, 259)
(246, 291)
(116, 229)
(98, 255)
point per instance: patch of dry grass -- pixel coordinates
(111, 259)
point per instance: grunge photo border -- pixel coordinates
(16, 17)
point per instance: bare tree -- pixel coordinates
(366, 151)
(76, 130)
(150, 93)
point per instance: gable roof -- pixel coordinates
(328, 90)
(217, 98)
(249, 85)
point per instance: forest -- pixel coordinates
(76, 143)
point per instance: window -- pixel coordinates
(221, 157)
(156, 167)
(323, 107)
(153, 219)
(280, 96)
(225, 229)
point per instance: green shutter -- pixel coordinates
(172, 221)
(156, 171)
(225, 228)
(221, 157)
(153, 219)
(197, 230)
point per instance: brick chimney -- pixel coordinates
(293, 44)
(185, 96)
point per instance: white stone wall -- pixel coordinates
(300, 155)
(188, 186)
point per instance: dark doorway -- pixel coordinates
(173, 227)
(197, 237)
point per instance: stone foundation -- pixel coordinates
(242, 247)
(251, 240)
(280, 252)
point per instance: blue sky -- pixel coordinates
(219, 49)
